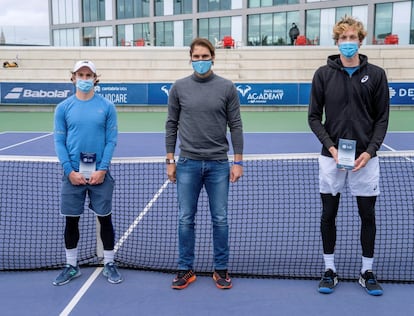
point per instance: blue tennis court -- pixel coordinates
(145, 292)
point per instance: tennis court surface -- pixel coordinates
(274, 234)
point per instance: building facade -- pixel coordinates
(247, 22)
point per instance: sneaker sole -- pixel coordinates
(370, 292)
(180, 287)
(325, 290)
(67, 281)
(328, 290)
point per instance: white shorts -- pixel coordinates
(364, 182)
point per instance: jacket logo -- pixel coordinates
(364, 79)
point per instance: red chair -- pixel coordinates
(140, 42)
(391, 39)
(301, 40)
(228, 42)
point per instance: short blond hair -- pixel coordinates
(346, 23)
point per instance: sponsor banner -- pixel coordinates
(402, 93)
(268, 93)
(141, 94)
(158, 93)
(34, 93)
(124, 93)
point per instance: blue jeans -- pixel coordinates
(192, 175)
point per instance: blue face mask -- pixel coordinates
(202, 66)
(348, 49)
(84, 85)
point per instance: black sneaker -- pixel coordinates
(222, 279)
(328, 282)
(183, 279)
(370, 283)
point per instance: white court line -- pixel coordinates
(81, 292)
(394, 150)
(140, 216)
(388, 147)
(26, 141)
(75, 300)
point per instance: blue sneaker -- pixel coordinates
(368, 281)
(111, 272)
(328, 282)
(69, 273)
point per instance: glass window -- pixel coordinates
(203, 28)
(188, 32)
(164, 34)
(126, 9)
(66, 37)
(412, 24)
(93, 10)
(269, 3)
(213, 5)
(270, 28)
(279, 2)
(254, 3)
(341, 12)
(313, 24)
(105, 36)
(266, 29)
(214, 29)
(279, 29)
(120, 35)
(159, 7)
(253, 30)
(383, 22)
(183, 6)
(89, 36)
(141, 32)
(140, 37)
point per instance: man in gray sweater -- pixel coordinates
(200, 107)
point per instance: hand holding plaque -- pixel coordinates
(87, 164)
(346, 154)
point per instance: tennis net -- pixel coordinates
(274, 214)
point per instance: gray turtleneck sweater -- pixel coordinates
(199, 111)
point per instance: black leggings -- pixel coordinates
(72, 232)
(366, 210)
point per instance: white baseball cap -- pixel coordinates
(84, 63)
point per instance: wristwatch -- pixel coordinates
(169, 161)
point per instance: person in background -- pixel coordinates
(200, 108)
(85, 134)
(353, 97)
(293, 33)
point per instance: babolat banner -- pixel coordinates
(143, 94)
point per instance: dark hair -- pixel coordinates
(199, 41)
